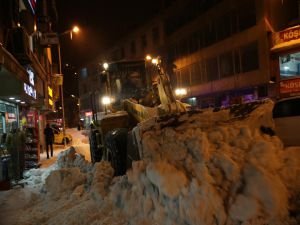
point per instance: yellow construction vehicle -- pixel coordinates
(115, 135)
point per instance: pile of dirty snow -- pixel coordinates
(65, 159)
(209, 168)
(203, 170)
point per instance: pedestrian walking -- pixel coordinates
(49, 138)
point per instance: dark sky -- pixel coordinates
(101, 22)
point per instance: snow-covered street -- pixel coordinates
(205, 169)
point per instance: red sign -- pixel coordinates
(290, 86)
(88, 113)
(11, 116)
(290, 34)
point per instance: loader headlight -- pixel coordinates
(106, 100)
(180, 92)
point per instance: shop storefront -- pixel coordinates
(17, 96)
(8, 117)
(286, 57)
(230, 97)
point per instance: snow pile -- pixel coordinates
(70, 173)
(78, 137)
(196, 173)
(101, 180)
(69, 159)
(64, 180)
(201, 169)
(65, 159)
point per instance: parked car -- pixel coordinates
(286, 115)
(59, 136)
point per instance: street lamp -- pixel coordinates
(75, 30)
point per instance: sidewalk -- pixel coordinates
(79, 142)
(56, 150)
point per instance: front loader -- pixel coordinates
(116, 136)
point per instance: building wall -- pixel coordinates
(213, 54)
(147, 39)
(214, 47)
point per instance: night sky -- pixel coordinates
(101, 22)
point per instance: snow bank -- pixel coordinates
(207, 170)
(69, 159)
(66, 159)
(210, 168)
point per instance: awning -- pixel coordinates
(286, 45)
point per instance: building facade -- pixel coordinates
(27, 90)
(224, 55)
(222, 51)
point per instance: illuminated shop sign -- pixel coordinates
(290, 34)
(11, 116)
(290, 86)
(31, 76)
(50, 92)
(50, 95)
(29, 90)
(88, 113)
(287, 35)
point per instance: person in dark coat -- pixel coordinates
(49, 136)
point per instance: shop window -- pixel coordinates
(212, 69)
(226, 65)
(249, 57)
(289, 65)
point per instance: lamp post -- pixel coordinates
(75, 30)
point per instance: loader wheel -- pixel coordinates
(116, 142)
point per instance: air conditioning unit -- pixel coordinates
(18, 45)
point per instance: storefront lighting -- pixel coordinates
(23, 102)
(286, 68)
(18, 100)
(11, 98)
